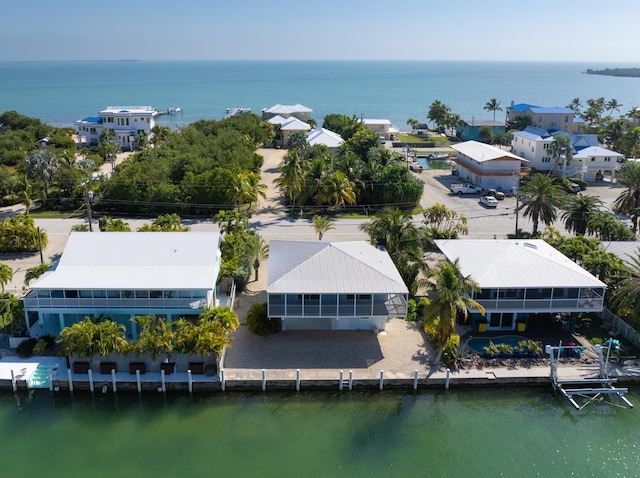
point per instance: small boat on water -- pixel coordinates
(437, 156)
(174, 110)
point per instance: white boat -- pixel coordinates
(437, 156)
(174, 110)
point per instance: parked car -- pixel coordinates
(465, 188)
(489, 201)
(495, 193)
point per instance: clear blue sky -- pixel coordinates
(542, 30)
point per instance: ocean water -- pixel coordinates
(60, 93)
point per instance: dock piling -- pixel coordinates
(50, 380)
(14, 384)
(350, 380)
(264, 380)
(190, 381)
(222, 382)
(138, 383)
(297, 380)
(114, 381)
(163, 380)
(70, 378)
(415, 379)
(341, 381)
(381, 379)
(446, 380)
(91, 386)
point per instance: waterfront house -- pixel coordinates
(322, 285)
(487, 166)
(523, 280)
(323, 136)
(546, 118)
(288, 111)
(595, 162)
(381, 127)
(126, 123)
(285, 127)
(122, 275)
(470, 130)
(589, 161)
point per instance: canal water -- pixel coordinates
(479, 433)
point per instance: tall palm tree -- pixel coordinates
(628, 202)
(336, 190)
(575, 105)
(451, 295)
(247, 188)
(394, 230)
(24, 191)
(257, 251)
(577, 212)
(6, 274)
(541, 199)
(613, 105)
(321, 225)
(493, 105)
(628, 294)
(42, 164)
(560, 149)
(292, 177)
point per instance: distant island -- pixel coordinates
(631, 72)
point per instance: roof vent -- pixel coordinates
(528, 244)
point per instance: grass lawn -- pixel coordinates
(47, 214)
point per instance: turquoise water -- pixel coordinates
(61, 92)
(479, 343)
(478, 433)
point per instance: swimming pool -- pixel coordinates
(477, 344)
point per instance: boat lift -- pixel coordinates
(592, 393)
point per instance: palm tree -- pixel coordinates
(560, 148)
(321, 225)
(628, 294)
(155, 336)
(541, 199)
(337, 190)
(575, 105)
(451, 295)
(628, 202)
(247, 188)
(577, 212)
(413, 123)
(292, 177)
(394, 230)
(613, 105)
(257, 251)
(35, 272)
(438, 114)
(493, 105)
(42, 164)
(6, 274)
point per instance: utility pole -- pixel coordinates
(88, 198)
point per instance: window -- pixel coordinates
(156, 294)
(42, 293)
(71, 294)
(128, 294)
(607, 159)
(593, 159)
(85, 294)
(142, 294)
(113, 294)
(99, 294)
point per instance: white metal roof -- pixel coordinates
(294, 124)
(136, 260)
(596, 151)
(324, 136)
(516, 263)
(288, 109)
(277, 119)
(323, 267)
(375, 121)
(481, 152)
(138, 110)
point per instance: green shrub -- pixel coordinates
(25, 348)
(258, 321)
(412, 311)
